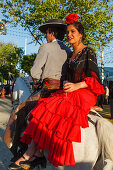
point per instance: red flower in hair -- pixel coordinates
(71, 18)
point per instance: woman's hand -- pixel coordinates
(69, 87)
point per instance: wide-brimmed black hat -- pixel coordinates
(52, 22)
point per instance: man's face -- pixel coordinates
(48, 36)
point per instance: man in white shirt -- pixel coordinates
(49, 66)
(50, 60)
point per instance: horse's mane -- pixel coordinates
(25, 79)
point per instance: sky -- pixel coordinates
(20, 37)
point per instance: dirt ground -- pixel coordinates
(5, 111)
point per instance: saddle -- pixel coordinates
(92, 116)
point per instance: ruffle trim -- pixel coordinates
(94, 86)
(60, 112)
(53, 128)
(60, 150)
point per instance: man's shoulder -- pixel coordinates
(49, 45)
(43, 45)
(55, 44)
(46, 45)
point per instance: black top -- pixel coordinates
(84, 65)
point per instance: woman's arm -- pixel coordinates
(69, 87)
(90, 77)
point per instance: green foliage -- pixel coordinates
(5, 69)
(27, 62)
(95, 15)
(10, 56)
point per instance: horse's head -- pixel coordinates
(11, 77)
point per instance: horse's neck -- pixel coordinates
(25, 89)
(22, 89)
(25, 79)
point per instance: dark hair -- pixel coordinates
(58, 32)
(80, 29)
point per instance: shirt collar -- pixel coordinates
(54, 40)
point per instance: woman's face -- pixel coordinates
(73, 35)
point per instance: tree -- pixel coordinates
(27, 62)
(10, 56)
(95, 15)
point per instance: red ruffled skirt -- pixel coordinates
(56, 122)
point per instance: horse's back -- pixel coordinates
(87, 150)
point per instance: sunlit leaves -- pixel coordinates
(95, 15)
(27, 62)
(10, 56)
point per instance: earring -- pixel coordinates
(80, 40)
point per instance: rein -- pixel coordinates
(91, 121)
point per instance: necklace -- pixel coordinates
(74, 56)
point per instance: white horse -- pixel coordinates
(95, 152)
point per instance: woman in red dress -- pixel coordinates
(56, 121)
